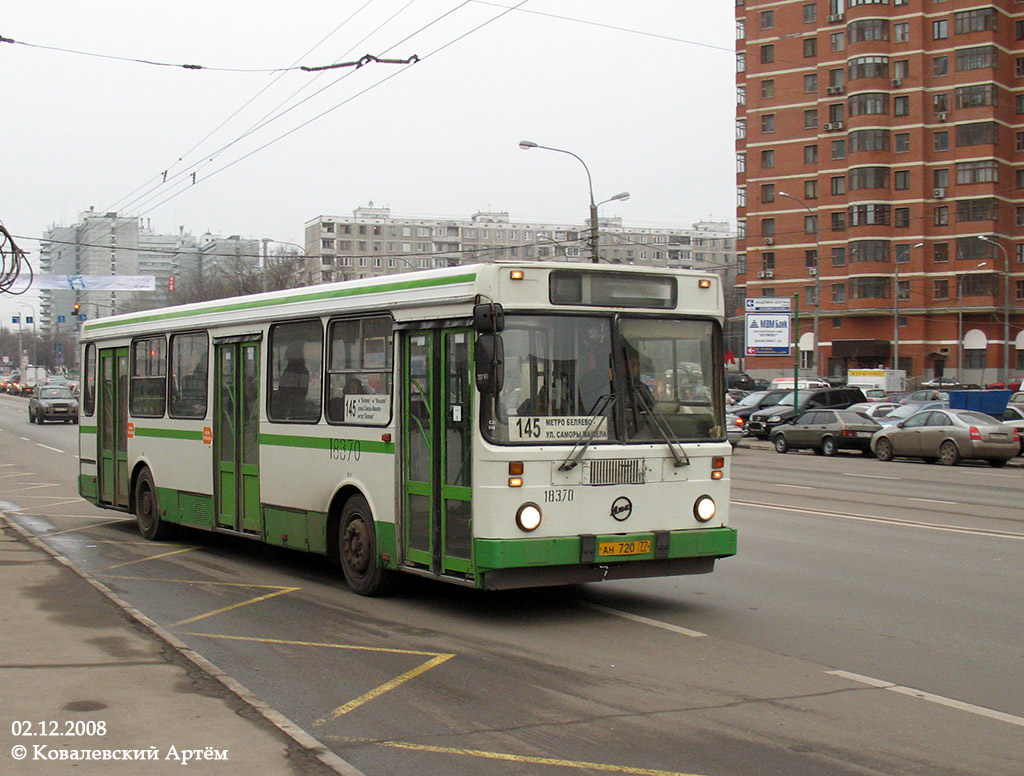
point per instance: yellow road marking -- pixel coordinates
(436, 659)
(238, 605)
(151, 557)
(91, 525)
(386, 687)
(328, 645)
(198, 581)
(517, 758)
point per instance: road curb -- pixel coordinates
(290, 729)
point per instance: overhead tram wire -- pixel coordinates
(130, 203)
(11, 260)
(354, 96)
(141, 201)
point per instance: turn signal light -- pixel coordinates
(516, 274)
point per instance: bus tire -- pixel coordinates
(147, 509)
(357, 550)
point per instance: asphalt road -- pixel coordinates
(870, 624)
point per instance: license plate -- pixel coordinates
(864, 433)
(636, 547)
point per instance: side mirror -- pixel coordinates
(488, 318)
(490, 363)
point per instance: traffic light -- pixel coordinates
(75, 308)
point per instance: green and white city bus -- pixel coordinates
(494, 425)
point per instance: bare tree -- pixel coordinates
(237, 276)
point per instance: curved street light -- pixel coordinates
(1006, 305)
(526, 145)
(817, 276)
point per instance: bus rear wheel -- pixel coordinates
(147, 509)
(357, 549)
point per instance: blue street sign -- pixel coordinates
(15, 319)
(60, 319)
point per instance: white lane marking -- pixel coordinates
(970, 708)
(47, 447)
(796, 487)
(643, 620)
(871, 476)
(931, 500)
(888, 520)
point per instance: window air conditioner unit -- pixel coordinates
(769, 241)
(837, 125)
(828, 127)
(813, 271)
(939, 193)
(834, 89)
(897, 82)
(835, 17)
(941, 116)
(766, 273)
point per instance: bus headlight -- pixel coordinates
(528, 517)
(704, 508)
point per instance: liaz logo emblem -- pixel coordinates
(622, 508)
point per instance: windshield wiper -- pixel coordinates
(604, 403)
(661, 423)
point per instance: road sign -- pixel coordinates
(768, 326)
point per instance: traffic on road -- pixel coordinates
(869, 624)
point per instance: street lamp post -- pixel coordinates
(1006, 306)
(896, 308)
(526, 145)
(817, 276)
(960, 323)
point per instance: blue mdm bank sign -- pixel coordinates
(768, 326)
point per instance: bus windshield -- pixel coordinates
(573, 377)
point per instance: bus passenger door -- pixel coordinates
(112, 439)
(437, 450)
(236, 437)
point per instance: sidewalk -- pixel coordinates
(91, 686)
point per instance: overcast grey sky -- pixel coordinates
(643, 91)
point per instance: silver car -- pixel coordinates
(948, 436)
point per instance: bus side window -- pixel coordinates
(359, 364)
(295, 371)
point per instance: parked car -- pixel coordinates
(940, 382)
(761, 422)
(803, 383)
(876, 394)
(904, 411)
(925, 394)
(740, 380)
(1017, 398)
(1013, 417)
(1013, 384)
(826, 432)
(736, 416)
(948, 436)
(53, 402)
(874, 409)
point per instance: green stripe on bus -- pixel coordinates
(169, 433)
(347, 446)
(563, 551)
(250, 304)
(82, 429)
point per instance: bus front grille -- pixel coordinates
(617, 471)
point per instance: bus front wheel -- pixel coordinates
(147, 509)
(357, 548)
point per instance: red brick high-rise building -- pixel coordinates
(880, 166)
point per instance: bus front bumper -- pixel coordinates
(514, 563)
